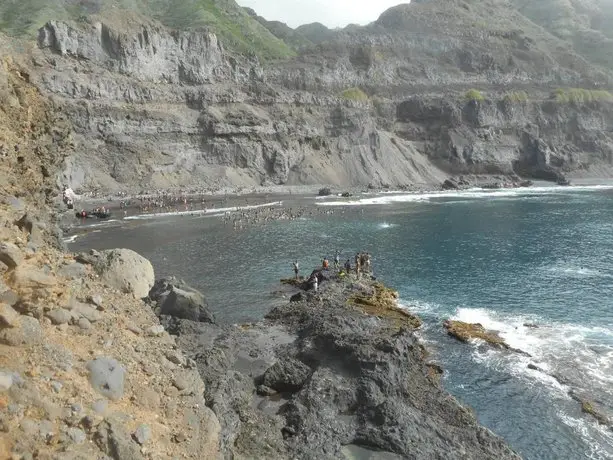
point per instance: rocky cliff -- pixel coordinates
(86, 370)
(384, 104)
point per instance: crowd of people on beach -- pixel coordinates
(362, 265)
(243, 217)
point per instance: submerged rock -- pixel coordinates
(468, 331)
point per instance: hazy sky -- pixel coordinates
(332, 13)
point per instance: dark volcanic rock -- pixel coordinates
(450, 184)
(175, 298)
(286, 376)
(357, 375)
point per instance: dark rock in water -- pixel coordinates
(450, 184)
(467, 331)
(531, 325)
(534, 367)
(175, 298)
(287, 375)
(325, 191)
(346, 194)
(592, 408)
(526, 183)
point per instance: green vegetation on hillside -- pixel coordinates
(580, 95)
(236, 29)
(473, 95)
(516, 96)
(354, 94)
(282, 31)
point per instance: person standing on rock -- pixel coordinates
(357, 264)
(326, 263)
(337, 260)
(296, 269)
(347, 266)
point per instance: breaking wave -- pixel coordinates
(473, 193)
(566, 356)
(201, 212)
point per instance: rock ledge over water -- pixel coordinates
(332, 373)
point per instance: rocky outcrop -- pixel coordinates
(322, 377)
(85, 371)
(173, 297)
(466, 332)
(126, 270)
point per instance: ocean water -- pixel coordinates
(504, 259)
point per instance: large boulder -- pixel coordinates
(126, 270)
(175, 298)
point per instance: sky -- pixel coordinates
(331, 13)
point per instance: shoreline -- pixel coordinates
(247, 204)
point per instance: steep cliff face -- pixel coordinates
(158, 108)
(540, 139)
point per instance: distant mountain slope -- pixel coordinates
(282, 31)
(586, 24)
(450, 45)
(316, 32)
(237, 29)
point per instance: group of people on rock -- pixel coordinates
(362, 264)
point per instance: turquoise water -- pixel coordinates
(541, 256)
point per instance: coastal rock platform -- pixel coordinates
(333, 373)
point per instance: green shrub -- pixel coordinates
(474, 95)
(516, 96)
(354, 94)
(580, 95)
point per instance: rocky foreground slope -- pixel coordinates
(86, 370)
(385, 104)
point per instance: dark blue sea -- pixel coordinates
(508, 259)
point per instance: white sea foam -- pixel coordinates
(553, 347)
(200, 212)
(576, 272)
(595, 434)
(417, 306)
(71, 239)
(384, 225)
(102, 223)
(473, 193)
